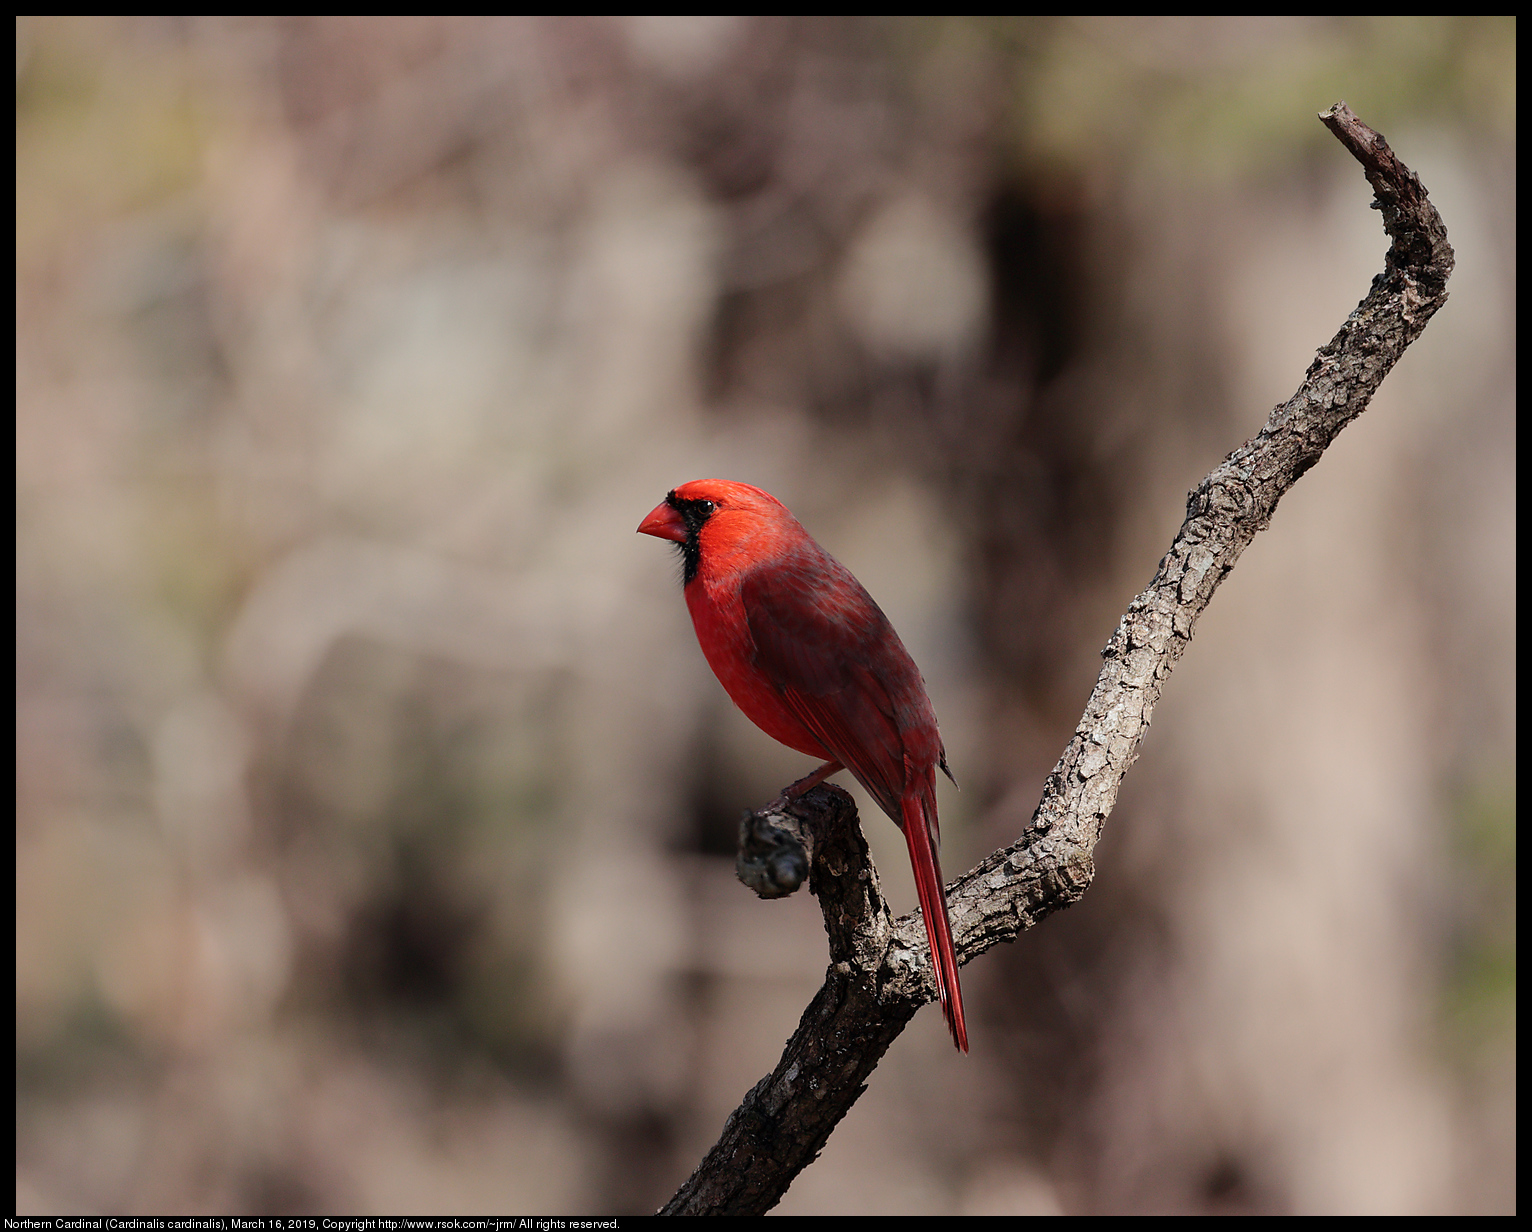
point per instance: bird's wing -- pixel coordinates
(842, 671)
(822, 642)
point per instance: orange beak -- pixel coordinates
(663, 522)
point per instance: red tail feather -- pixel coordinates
(933, 905)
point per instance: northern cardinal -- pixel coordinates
(812, 661)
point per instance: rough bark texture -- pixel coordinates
(880, 973)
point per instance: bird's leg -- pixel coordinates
(789, 794)
(811, 780)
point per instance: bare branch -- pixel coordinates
(880, 971)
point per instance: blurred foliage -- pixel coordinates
(1481, 988)
(1217, 98)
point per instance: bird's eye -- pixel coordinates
(707, 507)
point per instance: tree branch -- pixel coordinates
(880, 972)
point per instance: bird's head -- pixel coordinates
(719, 520)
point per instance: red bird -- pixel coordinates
(812, 661)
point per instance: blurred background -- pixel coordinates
(375, 805)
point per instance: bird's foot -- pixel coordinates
(791, 793)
